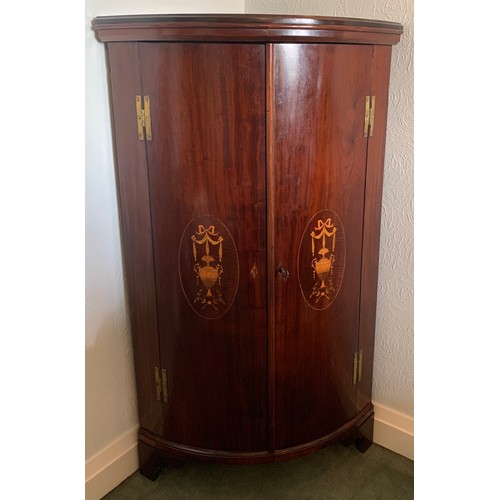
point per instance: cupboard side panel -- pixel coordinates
(372, 217)
(137, 244)
(207, 169)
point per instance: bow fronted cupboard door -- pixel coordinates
(249, 153)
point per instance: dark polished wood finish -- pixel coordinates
(250, 21)
(132, 177)
(321, 153)
(207, 160)
(152, 460)
(371, 226)
(249, 28)
(364, 434)
(181, 451)
(271, 236)
(253, 144)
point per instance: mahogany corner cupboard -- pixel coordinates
(249, 153)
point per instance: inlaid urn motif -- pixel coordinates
(321, 268)
(210, 276)
(208, 266)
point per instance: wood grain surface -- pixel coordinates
(207, 160)
(250, 228)
(137, 243)
(319, 164)
(245, 27)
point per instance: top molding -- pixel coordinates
(245, 28)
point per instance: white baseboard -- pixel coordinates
(112, 465)
(393, 430)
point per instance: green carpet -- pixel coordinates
(334, 473)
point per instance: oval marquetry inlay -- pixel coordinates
(208, 266)
(321, 259)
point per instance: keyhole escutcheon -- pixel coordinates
(283, 273)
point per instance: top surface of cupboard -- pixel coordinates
(244, 27)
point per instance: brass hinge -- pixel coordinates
(143, 117)
(357, 367)
(161, 384)
(369, 123)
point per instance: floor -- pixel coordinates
(333, 473)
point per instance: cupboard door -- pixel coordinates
(317, 173)
(207, 182)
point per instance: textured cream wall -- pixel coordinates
(110, 401)
(393, 370)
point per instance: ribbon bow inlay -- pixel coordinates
(206, 237)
